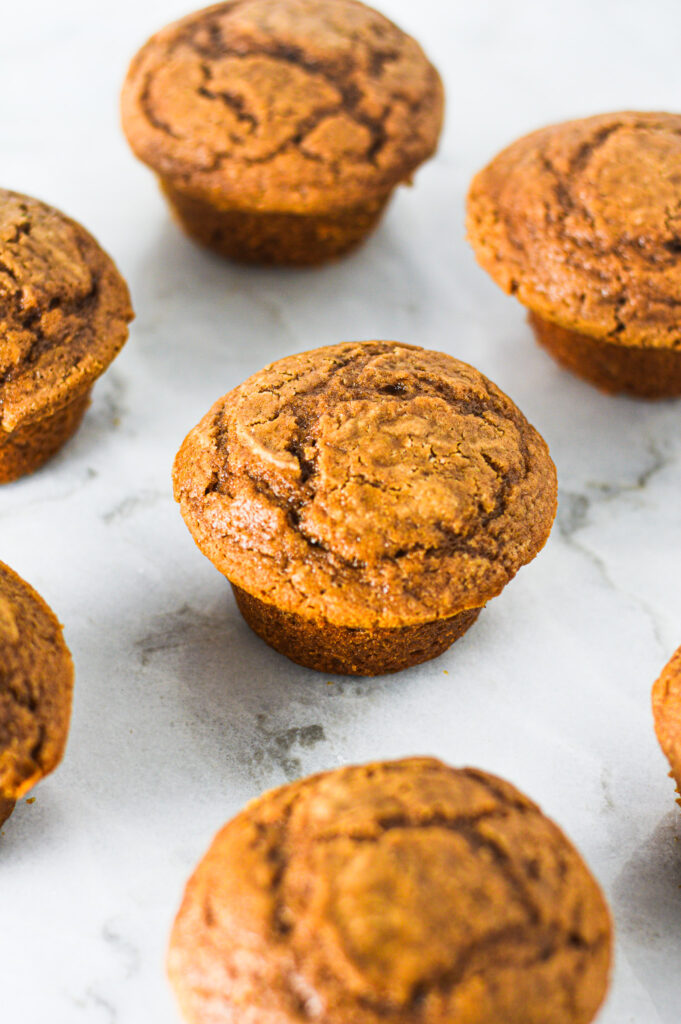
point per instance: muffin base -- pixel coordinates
(6, 808)
(29, 447)
(285, 239)
(642, 372)
(341, 650)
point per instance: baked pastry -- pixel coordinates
(36, 680)
(667, 715)
(365, 500)
(64, 310)
(391, 893)
(279, 128)
(581, 222)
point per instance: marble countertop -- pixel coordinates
(181, 714)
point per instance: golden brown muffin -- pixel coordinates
(667, 715)
(365, 500)
(581, 222)
(391, 893)
(279, 128)
(36, 681)
(64, 310)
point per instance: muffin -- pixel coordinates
(279, 128)
(365, 500)
(36, 680)
(581, 222)
(64, 310)
(667, 715)
(391, 893)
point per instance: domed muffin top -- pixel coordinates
(64, 309)
(582, 221)
(290, 106)
(392, 892)
(667, 714)
(374, 484)
(36, 680)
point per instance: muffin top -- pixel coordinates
(64, 309)
(370, 483)
(36, 680)
(582, 221)
(392, 892)
(291, 106)
(667, 714)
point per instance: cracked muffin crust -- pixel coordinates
(36, 681)
(666, 698)
(64, 310)
(279, 128)
(582, 223)
(391, 892)
(365, 500)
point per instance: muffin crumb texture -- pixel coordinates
(582, 222)
(391, 892)
(368, 485)
(36, 682)
(301, 107)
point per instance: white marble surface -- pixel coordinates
(180, 713)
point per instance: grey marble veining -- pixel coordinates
(181, 714)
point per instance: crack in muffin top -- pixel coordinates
(582, 222)
(64, 309)
(390, 892)
(290, 107)
(36, 681)
(667, 714)
(371, 483)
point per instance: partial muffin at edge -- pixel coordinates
(369, 485)
(279, 129)
(64, 310)
(392, 892)
(36, 683)
(666, 701)
(580, 222)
